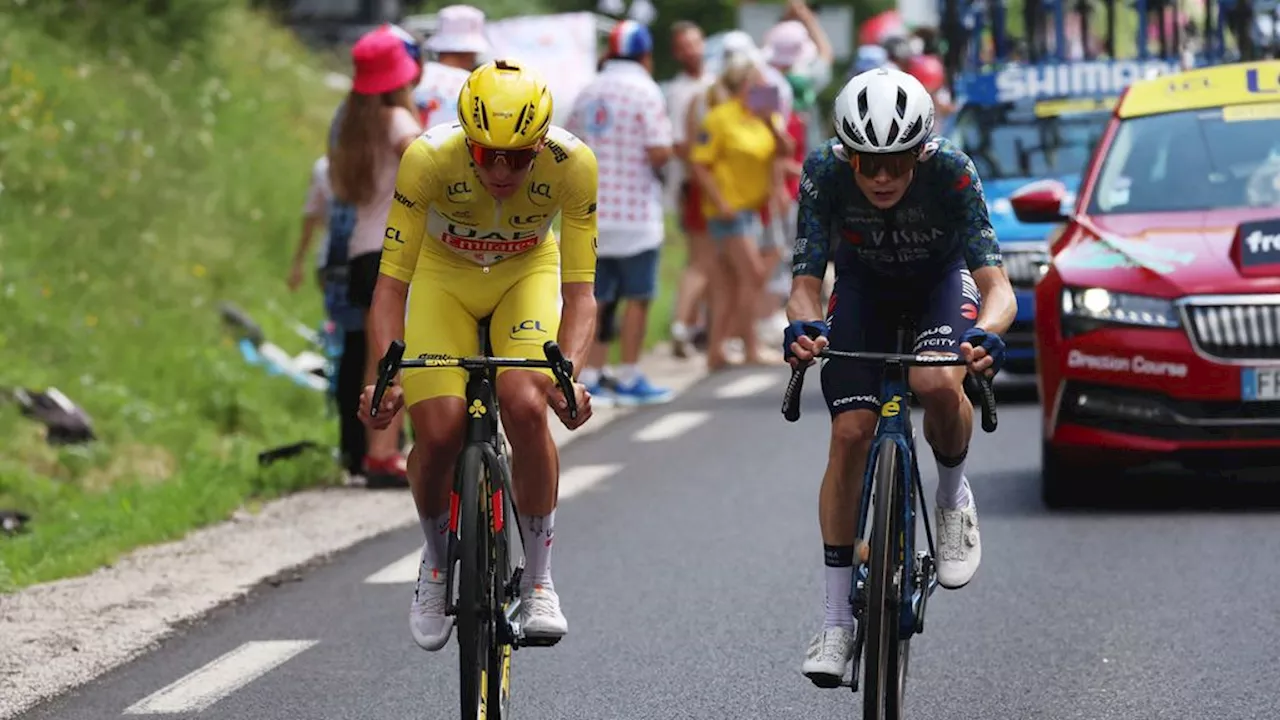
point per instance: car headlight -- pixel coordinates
(1085, 309)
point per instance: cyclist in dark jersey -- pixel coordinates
(902, 215)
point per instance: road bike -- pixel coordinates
(890, 594)
(484, 525)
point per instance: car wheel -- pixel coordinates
(1062, 481)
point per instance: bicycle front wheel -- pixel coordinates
(475, 616)
(886, 652)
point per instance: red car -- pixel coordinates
(1158, 322)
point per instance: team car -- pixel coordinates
(1157, 327)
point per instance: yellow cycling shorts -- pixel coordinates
(446, 304)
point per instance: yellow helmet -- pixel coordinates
(504, 105)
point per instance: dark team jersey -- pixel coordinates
(941, 220)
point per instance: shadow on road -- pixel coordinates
(1017, 493)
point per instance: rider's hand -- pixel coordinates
(983, 350)
(803, 340)
(392, 401)
(556, 400)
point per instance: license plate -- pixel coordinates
(1259, 384)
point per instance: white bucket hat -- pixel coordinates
(460, 29)
(788, 43)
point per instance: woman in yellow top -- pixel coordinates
(738, 161)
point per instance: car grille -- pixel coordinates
(1241, 327)
(1024, 266)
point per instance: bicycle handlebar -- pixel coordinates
(393, 361)
(981, 384)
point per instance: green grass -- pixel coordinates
(140, 186)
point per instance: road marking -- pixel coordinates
(671, 425)
(220, 678)
(572, 481)
(749, 385)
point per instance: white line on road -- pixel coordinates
(572, 481)
(220, 678)
(671, 425)
(749, 385)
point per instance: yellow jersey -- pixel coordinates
(739, 149)
(443, 218)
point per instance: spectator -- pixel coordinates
(622, 115)
(736, 162)
(799, 49)
(347, 320)
(687, 44)
(413, 46)
(458, 42)
(377, 125)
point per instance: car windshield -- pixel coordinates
(1023, 140)
(1192, 160)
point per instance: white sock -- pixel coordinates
(537, 532)
(436, 531)
(953, 486)
(839, 611)
(628, 374)
(589, 376)
(679, 332)
(838, 571)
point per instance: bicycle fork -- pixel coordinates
(923, 569)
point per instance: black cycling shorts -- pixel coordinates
(363, 276)
(863, 316)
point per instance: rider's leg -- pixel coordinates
(526, 318)
(437, 322)
(951, 308)
(852, 394)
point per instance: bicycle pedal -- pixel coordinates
(538, 641)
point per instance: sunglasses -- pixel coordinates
(517, 159)
(870, 165)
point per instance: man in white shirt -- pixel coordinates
(458, 41)
(683, 195)
(622, 116)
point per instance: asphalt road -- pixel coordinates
(689, 563)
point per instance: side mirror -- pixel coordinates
(1039, 202)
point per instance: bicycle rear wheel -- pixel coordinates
(886, 652)
(475, 616)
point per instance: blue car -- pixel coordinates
(1026, 123)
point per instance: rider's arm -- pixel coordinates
(578, 242)
(401, 243)
(812, 248)
(968, 207)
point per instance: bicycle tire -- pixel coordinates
(499, 676)
(474, 619)
(882, 689)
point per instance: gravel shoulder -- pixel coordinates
(59, 635)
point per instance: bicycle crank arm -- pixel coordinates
(927, 578)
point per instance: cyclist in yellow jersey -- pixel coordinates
(470, 234)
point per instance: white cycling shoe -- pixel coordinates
(540, 615)
(430, 625)
(828, 657)
(959, 545)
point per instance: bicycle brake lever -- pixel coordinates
(388, 366)
(562, 368)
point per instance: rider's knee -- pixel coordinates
(438, 427)
(851, 434)
(938, 388)
(523, 403)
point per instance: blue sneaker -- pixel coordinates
(641, 392)
(601, 395)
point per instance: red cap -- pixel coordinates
(928, 70)
(382, 63)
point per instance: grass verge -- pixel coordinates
(141, 185)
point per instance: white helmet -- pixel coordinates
(883, 111)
